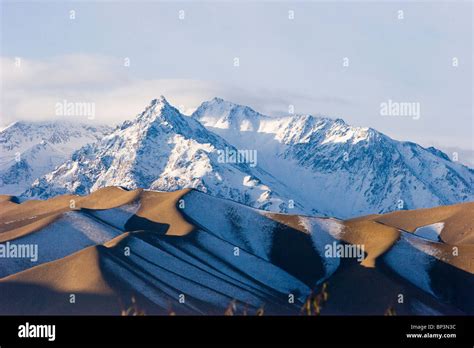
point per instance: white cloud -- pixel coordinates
(32, 89)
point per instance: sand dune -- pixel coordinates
(186, 252)
(458, 221)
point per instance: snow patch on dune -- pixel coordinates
(431, 232)
(413, 258)
(231, 222)
(324, 232)
(116, 217)
(70, 233)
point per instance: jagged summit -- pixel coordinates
(225, 115)
(164, 150)
(158, 108)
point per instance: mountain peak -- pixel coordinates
(159, 110)
(217, 100)
(221, 113)
(159, 104)
(218, 103)
(161, 119)
(160, 100)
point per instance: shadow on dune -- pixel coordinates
(358, 290)
(18, 298)
(453, 285)
(127, 278)
(293, 251)
(136, 223)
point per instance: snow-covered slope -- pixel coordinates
(338, 169)
(29, 150)
(163, 150)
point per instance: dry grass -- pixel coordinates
(315, 301)
(233, 309)
(390, 311)
(133, 309)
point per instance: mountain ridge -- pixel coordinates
(330, 148)
(341, 170)
(32, 149)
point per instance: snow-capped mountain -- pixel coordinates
(303, 164)
(338, 169)
(32, 149)
(163, 150)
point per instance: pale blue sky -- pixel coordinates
(282, 61)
